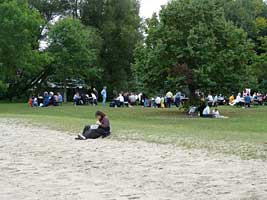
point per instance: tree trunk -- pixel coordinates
(193, 98)
(65, 91)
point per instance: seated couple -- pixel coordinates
(100, 129)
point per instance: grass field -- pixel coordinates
(243, 134)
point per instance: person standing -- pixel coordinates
(104, 96)
(169, 96)
(247, 101)
(177, 99)
(96, 93)
(94, 99)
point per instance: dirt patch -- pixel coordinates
(38, 163)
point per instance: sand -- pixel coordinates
(38, 163)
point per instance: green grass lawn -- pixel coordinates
(243, 134)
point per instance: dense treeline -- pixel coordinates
(91, 40)
(207, 45)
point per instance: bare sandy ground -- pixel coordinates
(36, 163)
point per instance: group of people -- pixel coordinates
(161, 101)
(205, 110)
(245, 99)
(90, 98)
(45, 100)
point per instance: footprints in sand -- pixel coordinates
(56, 167)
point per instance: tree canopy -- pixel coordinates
(206, 45)
(19, 55)
(75, 51)
(191, 45)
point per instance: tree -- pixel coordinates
(243, 14)
(118, 22)
(51, 8)
(92, 13)
(192, 46)
(75, 50)
(251, 15)
(20, 59)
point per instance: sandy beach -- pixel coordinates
(38, 163)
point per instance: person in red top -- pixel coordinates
(100, 129)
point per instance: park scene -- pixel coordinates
(133, 99)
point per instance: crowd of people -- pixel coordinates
(130, 99)
(161, 101)
(91, 98)
(245, 99)
(45, 100)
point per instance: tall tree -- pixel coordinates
(19, 55)
(192, 46)
(75, 49)
(118, 22)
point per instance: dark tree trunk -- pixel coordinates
(65, 91)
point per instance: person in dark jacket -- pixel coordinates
(100, 129)
(201, 108)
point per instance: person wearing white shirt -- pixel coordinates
(215, 101)
(94, 99)
(206, 112)
(158, 101)
(210, 98)
(238, 98)
(237, 101)
(216, 113)
(120, 100)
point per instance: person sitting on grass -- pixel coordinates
(76, 99)
(237, 101)
(59, 99)
(120, 100)
(100, 129)
(216, 113)
(33, 102)
(206, 112)
(231, 99)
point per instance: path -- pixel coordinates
(42, 164)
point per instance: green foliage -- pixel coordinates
(205, 44)
(191, 45)
(118, 22)
(20, 28)
(51, 8)
(251, 15)
(75, 50)
(243, 14)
